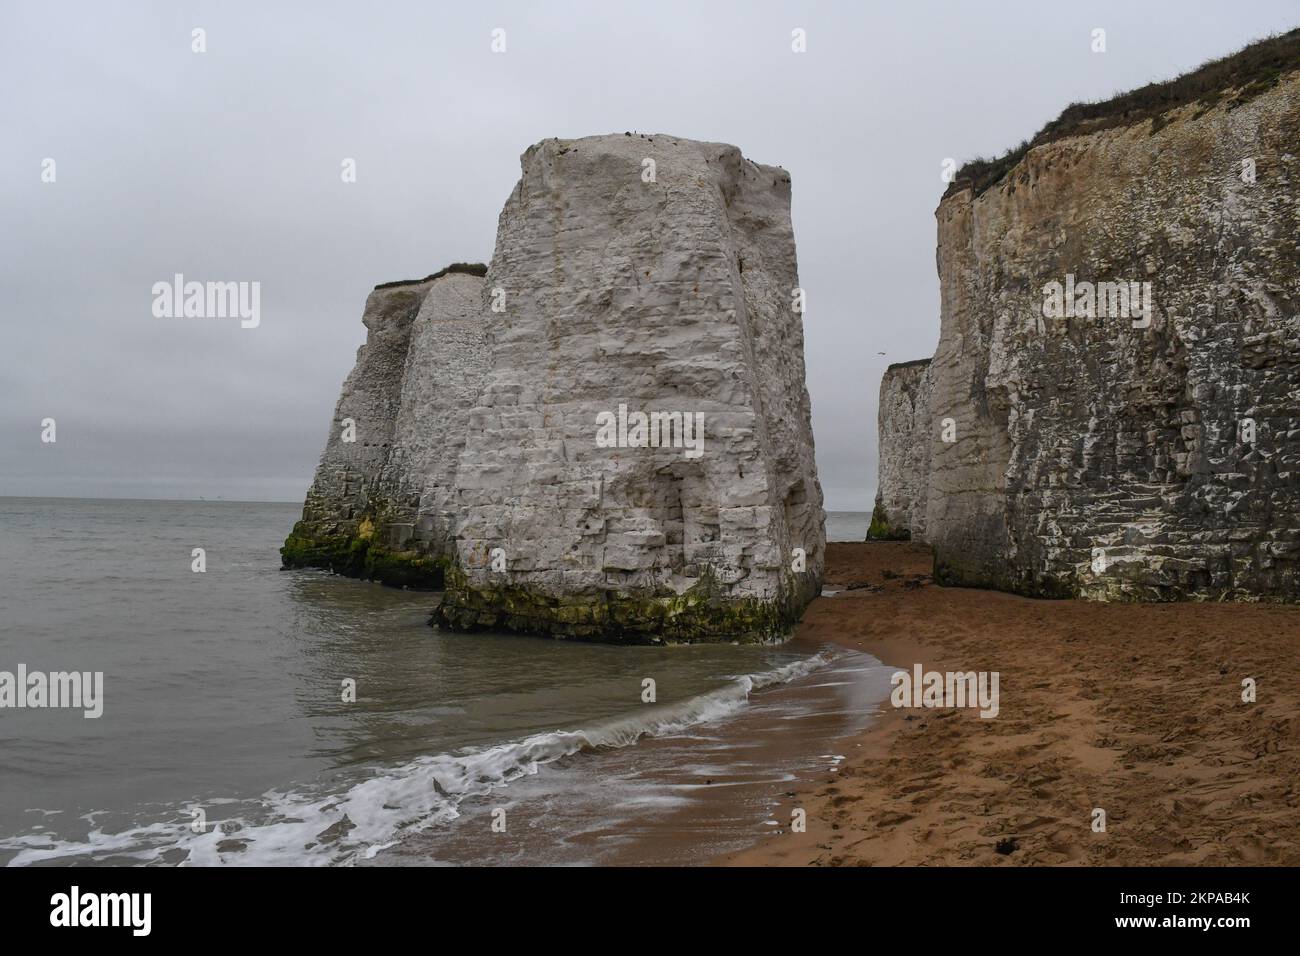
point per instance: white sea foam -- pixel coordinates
(317, 827)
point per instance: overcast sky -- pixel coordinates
(226, 165)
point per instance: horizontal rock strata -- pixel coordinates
(1126, 453)
(648, 275)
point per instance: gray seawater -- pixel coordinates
(222, 693)
(847, 525)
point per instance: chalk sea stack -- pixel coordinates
(903, 424)
(379, 507)
(1103, 454)
(621, 447)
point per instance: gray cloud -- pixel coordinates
(225, 165)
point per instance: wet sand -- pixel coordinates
(673, 800)
(1134, 709)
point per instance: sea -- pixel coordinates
(259, 716)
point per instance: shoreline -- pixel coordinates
(1132, 709)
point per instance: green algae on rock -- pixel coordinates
(700, 614)
(881, 529)
(362, 557)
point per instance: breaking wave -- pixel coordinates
(318, 827)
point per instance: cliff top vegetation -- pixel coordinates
(468, 268)
(1247, 73)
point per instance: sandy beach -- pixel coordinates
(1133, 709)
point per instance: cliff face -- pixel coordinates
(379, 505)
(445, 367)
(903, 426)
(609, 437)
(626, 294)
(1123, 454)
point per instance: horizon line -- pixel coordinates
(237, 501)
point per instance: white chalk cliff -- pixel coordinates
(1105, 452)
(633, 276)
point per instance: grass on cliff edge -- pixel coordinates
(467, 268)
(1251, 71)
